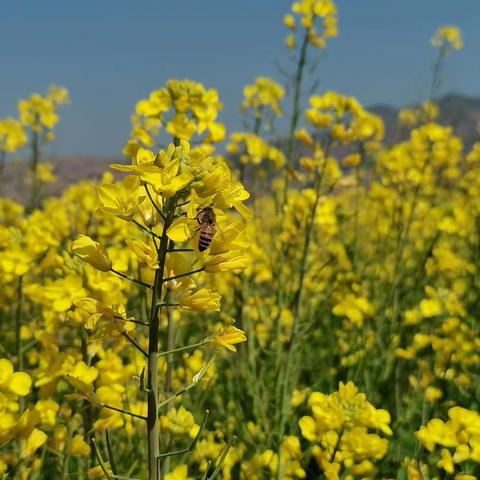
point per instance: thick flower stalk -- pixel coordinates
(175, 185)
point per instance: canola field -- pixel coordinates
(295, 308)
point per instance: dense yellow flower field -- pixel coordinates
(287, 310)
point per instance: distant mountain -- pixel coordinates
(456, 110)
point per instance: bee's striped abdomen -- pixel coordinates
(206, 218)
(205, 240)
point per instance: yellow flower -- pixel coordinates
(179, 473)
(61, 293)
(163, 172)
(228, 337)
(97, 472)
(33, 442)
(18, 383)
(448, 37)
(91, 252)
(146, 254)
(289, 21)
(45, 173)
(201, 300)
(437, 432)
(27, 421)
(179, 422)
(304, 136)
(264, 93)
(12, 135)
(79, 447)
(179, 231)
(121, 199)
(232, 260)
(446, 461)
(83, 372)
(433, 394)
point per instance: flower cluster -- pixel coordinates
(460, 433)
(40, 113)
(183, 108)
(448, 37)
(253, 150)
(264, 94)
(347, 120)
(317, 17)
(338, 428)
(12, 135)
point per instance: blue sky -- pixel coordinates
(110, 53)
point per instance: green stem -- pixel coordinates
(111, 457)
(120, 410)
(182, 349)
(135, 344)
(168, 279)
(153, 348)
(64, 470)
(87, 411)
(35, 159)
(290, 364)
(436, 72)
(155, 206)
(145, 229)
(100, 460)
(134, 280)
(295, 114)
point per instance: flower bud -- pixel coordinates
(91, 252)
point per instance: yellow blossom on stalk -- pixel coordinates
(40, 112)
(460, 432)
(183, 107)
(264, 93)
(180, 472)
(97, 471)
(252, 150)
(201, 300)
(121, 199)
(340, 422)
(163, 172)
(96, 311)
(61, 293)
(232, 260)
(448, 37)
(45, 173)
(33, 442)
(266, 461)
(16, 383)
(289, 21)
(413, 117)
(12, 135)
(347, 120)
(179, 422)
(79, 447)
(228, 337)
(91, 252)
(147, 254)
(354, 308)
(304, 136)
(319, 19)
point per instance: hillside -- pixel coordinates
(459, 111)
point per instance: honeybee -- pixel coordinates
(206, 218)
